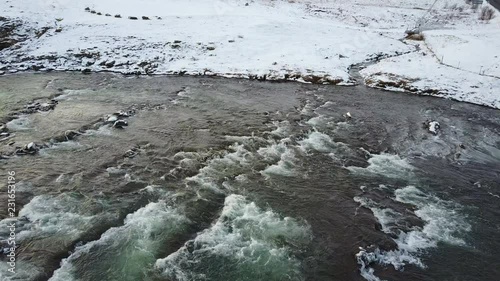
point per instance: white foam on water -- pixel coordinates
(364, 259)
(125, 251)
(181, 155)
(284, 167)
(282, 155)
(282, 129)
(115, 171)
(69, 94)
(443, 223)
(274, 151)
(232, 163)
(187, 161)
(241, 178)
(388, 165)
(244, 139)
(319, 121)
(385, 216)
(308, 108)
(396, 258)
(61, 147)
(245, 243)
(184, 93)
(24, 271)
(62, 219)
(105, 130)
(327, 104)
(22, 123)
(314, 121)
(317, 141)
(24, 186)
(60, 216)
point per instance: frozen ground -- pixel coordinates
(308, 41)
(458, 61)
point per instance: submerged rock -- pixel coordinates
(122, 114)
(120, 124)
(116, 119)
(114, 171)
(112, 118)
(30, 148)
(131, 153)
(37, 106)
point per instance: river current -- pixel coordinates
(233, 180)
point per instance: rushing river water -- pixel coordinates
(232, 180)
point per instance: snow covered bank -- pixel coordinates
(459, 61)
(423, 74)
(278, 41)
(307, 41)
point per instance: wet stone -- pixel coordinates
(112, 118)
(432, 126)
(30, 148)
(120, 124)
(131, 153)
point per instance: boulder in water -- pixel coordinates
(30, 148)
(120, 124)
(432, 126)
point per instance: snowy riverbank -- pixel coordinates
(307, 41)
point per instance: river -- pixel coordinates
(226, 179)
